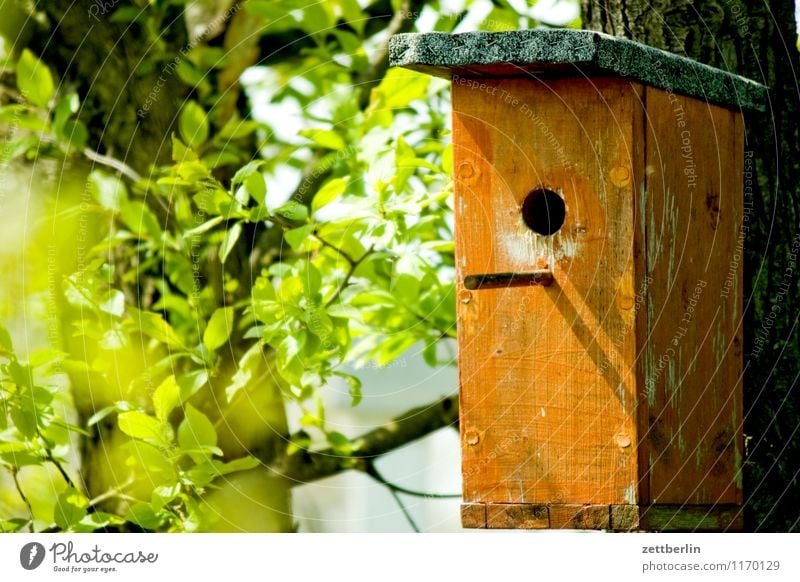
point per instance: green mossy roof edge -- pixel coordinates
(576, 52)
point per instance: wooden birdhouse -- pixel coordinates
(600, 217)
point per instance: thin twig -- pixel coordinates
(49, 456)
(346, 281)
(405, 511)
(99, 158)
(443, 333)
(113, 163)
(114, 492)
(14, 474)
(344, 255)
(372, 471)
(15, 95)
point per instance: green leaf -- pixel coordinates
(121, 406)
(154, 326)
(67, 105)
(140, 220)
(353, 15)
(113, 303)
(193, 125)
(311, 278)
(146, 456)
(290, 366)
(97, 520)
(165, 398)
(317, 17)
(340, 443)
(248, 368)
(13, 525)
(258, 214)
(19, 115)
(196, 434)
(124, 14)
(70, 508)
(164, 494)
(34, 79)
(229, 242)
(243, 464)
(219, 328)
(15, 447)
(447, 159)
(73, 134)
(5, 340)
(114, 339)
(332, 190)
(206, 226)
(355, 387)
(297, 236)
(429, 354)
(21, 375)
(110, 192)
(14, 148)
(143, 426)
(204, 473)
(143, 515)
(45, 356)
(398, 88)
(256, 186)
(180, 153)
(20, 460)
(189, 384)
(246, 171)
(500, 19)
(293, 211)
(325, 138)
(71, 427)
(319, 323)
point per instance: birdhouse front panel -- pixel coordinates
(546, 180)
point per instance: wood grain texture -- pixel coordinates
(624, 517)
(693, 207)
(473, 515)
(676, 518)
(691, 518)
(659, 518)
(517, 516)
(579, 517)
(547, 375)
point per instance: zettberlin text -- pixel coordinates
(668, 549)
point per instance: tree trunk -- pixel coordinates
(757, 40)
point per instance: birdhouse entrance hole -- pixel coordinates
(544, 211)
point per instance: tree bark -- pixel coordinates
(757, 40)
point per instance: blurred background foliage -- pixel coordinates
(212, 213)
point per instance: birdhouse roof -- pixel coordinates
(567, 52)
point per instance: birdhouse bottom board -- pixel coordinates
(598, 222)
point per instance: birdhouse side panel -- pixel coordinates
(693, 218)
(547, 374)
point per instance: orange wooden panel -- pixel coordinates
(693, 214)
(547, 375)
